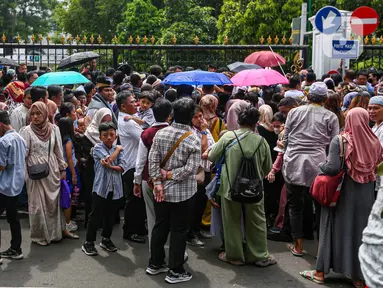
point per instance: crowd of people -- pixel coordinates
(174, 158)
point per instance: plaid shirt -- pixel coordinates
(184, 162)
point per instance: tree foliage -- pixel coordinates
(25, 17)
(140, 18)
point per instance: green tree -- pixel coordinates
(25, 17)
(187, 21)
(244, 22)
(141, 17)
(90, 17)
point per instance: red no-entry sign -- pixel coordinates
(364, 20)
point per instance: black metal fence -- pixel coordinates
(141, 57)
(372, 56)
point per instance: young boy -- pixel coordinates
(144, 116)
(107, 189)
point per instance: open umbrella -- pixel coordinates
(7, 62)
(265, 59)
(77, 59)
(60, 78)
(260, 77)
(197, 77)
(240, 66)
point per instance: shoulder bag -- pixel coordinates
(40, 171)
(326, 189)
(170, 153)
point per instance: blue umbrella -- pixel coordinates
(197, 77)
(60, 78)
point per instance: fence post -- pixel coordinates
(115, 58)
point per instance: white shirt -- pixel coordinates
(18, 117)
(296, 94)
(378, 131)
(142, 156)
(130, 135)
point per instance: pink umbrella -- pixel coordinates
(265, 59)
(259, 77)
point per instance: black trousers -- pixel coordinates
(199, 205)
(135, 212)
(11, 205)
(102, 215)
(173, 218)
(300, 205)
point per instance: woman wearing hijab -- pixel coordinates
(44, 146)
(233, 112)
(91, 138)
(266, 130)
(209, 104)
(341, 226)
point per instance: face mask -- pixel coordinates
(277, 130)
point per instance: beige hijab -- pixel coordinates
(266, 116)
(92, 132)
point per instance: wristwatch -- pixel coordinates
(203, 132)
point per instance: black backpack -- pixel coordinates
(248, 186)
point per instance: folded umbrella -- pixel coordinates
(77, 59)
(60, 78)
(260, 77)
(197, 77)
(240, 66)
(265, 59)
(8, 62)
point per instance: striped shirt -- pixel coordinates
(106, 180)
(183, 163)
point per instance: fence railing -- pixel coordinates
(141, 57)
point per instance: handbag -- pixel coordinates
(40, 171)
(64, 195)
(169, 154)
(326, 189)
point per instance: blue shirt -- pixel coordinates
(106, 180)
(12, 157)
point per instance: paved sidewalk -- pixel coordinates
(65, 265)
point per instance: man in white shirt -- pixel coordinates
(19, 115)
(130, 135)
(295, 84)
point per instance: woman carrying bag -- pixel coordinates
(341, 226)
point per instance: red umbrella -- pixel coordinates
(265, 59)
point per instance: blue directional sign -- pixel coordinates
(328, 20)
(345, 49)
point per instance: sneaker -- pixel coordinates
(71, 227)
(173, 277)
(12, 254)
(275, 230)
(203, 234)
(195, 242)
(108, 245)
(155, 270)
(89, 249)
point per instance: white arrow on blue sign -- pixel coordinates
(345, 49)
(328, 20)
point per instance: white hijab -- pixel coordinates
(92, 131)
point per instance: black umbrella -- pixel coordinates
(7, 62)
(240, 66)
(77, 59)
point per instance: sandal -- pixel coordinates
(222, 257)
(40, 242)
(267, 262)
(295, 252)
(310, 275)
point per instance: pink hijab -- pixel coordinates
(232, 114)
(364, 151)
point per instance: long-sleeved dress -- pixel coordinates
(341, 226)
(45, 214)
